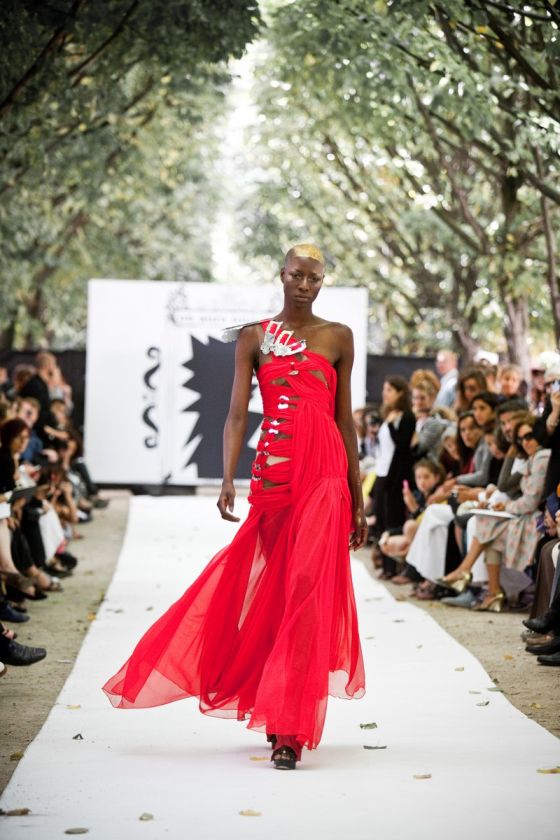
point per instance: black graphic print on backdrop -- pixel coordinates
(151, 440)
(213, 366)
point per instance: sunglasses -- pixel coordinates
(526, 437)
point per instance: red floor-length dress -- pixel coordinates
(269, 629)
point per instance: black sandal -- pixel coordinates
(284, 758)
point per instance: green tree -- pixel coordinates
(107, 111)
(423, 150)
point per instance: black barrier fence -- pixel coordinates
(73, 366)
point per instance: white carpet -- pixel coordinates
(194, 774)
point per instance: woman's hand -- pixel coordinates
(409, 500)
(226, 501)
(358, 537)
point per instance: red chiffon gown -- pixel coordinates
(269, 629)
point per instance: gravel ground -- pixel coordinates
(60, 623)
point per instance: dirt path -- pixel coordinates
(60, 623)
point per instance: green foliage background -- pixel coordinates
(107, 147)
(417, 141)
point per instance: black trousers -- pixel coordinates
(21, 553)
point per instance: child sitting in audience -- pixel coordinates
(428, 475)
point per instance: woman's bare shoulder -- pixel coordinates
(340, 334)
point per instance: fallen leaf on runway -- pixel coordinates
(483, 703)
(398, 621)
(91, 616)
(536, 706)
(369, 747)
(422, 776)
(65, 661)
(16, 756)
(368, 638)
(258, 758)
(78, 737)
(16, 812)
(494, 688)
(145, 817)
(508, 656)
(459, 669)
(549, 770)
(76, 831)
(75, 706)
(401, 598)
(148, 609)
(419, 646)
(476, 692)
(368, 726)
(248, 812)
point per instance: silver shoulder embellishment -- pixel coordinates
(277, 341)
(231, 333)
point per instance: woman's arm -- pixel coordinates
(236, 421)
(345, 423)
(508, 481)
(478, 478)
(533, 486)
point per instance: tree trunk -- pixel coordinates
(8, 334)
(516, 328)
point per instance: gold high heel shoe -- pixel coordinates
(458, 586)
(495, 604)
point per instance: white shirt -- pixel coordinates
(385, 452)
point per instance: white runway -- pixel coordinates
(195, 774)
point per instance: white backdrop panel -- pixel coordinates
(158, 378)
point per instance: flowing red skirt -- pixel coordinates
(269, 629)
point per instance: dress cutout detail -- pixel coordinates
(269, 629)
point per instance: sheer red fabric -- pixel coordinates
(269, 629)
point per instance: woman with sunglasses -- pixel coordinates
(511, 543)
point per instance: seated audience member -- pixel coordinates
(428, 550)
(546, 557)
(429, 427)
(471, 382)
(449, 456)
(394, 457)
(428, 475)
(38, 387)
(358, 418)
(490, 372)
(536, 396)
(7, 410)
(474, 453)
(446, 366)
(5, 384)
(21, 374)
(510, 381)
(13, 548)
(548, 427)
(511, 541)
(543, 636)
(28, 409)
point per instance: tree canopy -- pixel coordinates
(419, 142)
(416, 140)
(106, 110)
